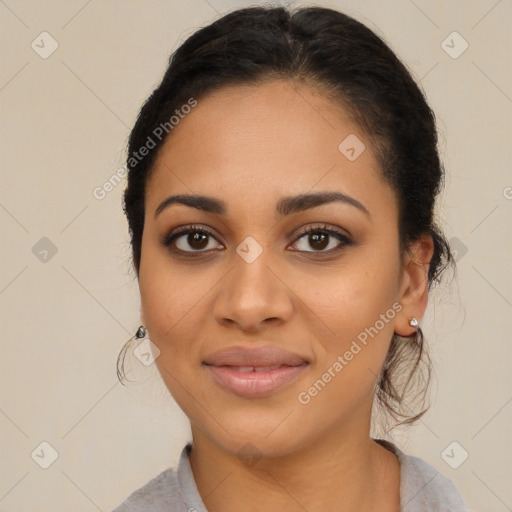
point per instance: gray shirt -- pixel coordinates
(422, 488)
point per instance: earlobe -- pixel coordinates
(414, 291)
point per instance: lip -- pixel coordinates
(257, 372)
(260, 356)
(255, 384)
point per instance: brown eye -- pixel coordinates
(321, 238)
(190, 239)
(197, 241)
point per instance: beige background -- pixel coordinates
(64, 124)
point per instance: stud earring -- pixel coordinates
(413, 322)
(141, 332)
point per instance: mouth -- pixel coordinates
(255, 381)
(245, 369)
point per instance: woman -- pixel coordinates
(281, 189)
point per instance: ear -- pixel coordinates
(414, 288)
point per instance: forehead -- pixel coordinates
(262, 142)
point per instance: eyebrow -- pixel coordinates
(285, 205)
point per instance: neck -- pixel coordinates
(344, 473)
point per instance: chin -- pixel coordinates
(256, 435)
(250, 448)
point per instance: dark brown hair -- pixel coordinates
(351, 65)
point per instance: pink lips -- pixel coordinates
(255, 373)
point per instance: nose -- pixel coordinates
(253, 296)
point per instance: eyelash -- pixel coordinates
(168, 239)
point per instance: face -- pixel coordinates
(242, 271)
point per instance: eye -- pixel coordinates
(190, 237)
(195, 239)
(322, 238)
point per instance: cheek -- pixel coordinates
(349, 299)
(173, 300)
(174, 306)
(360, 314)
(357, 307)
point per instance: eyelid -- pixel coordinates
(320, 226)
(343, 238)
(170, 237)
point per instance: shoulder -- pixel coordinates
(173, 490)
(423, 487)
(160, 494)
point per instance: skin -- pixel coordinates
(250, 146)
